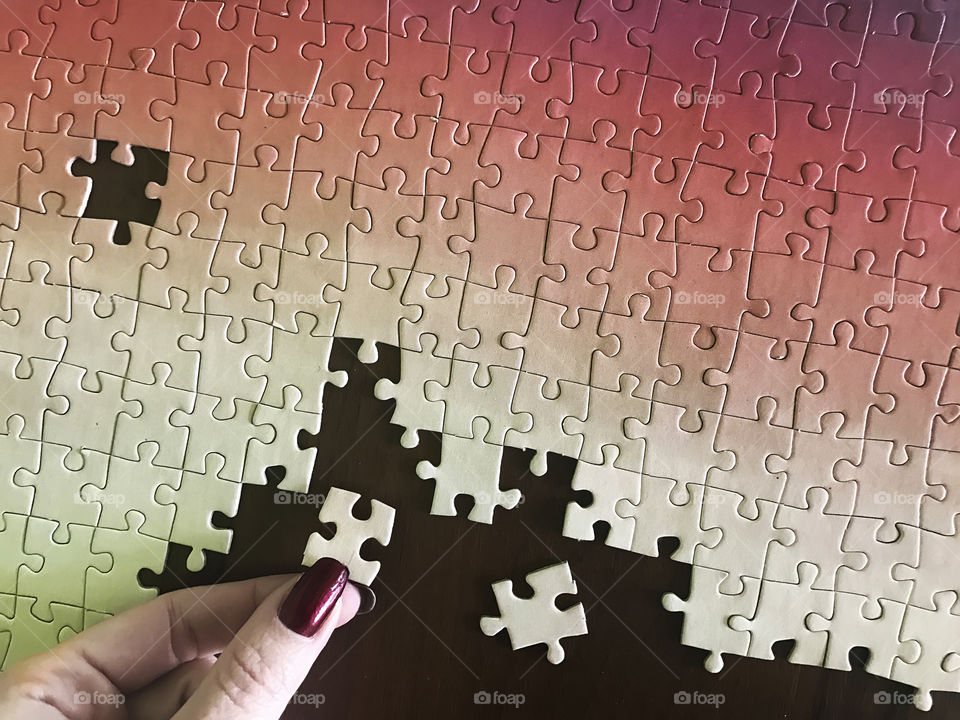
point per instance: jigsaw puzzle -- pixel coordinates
(707, 249)
(534, 620)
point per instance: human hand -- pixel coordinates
(159, 660)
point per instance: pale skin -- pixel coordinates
(210, 653)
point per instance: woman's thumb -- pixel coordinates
(269, 657)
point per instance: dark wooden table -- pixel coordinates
(420, 653)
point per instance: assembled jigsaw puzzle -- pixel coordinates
(706, 248)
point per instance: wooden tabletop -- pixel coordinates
(420, 652)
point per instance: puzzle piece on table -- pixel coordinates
(492, 311)
(466, 398)
(288, 365)
(62, 575)
(63, 474)
(607, 486)
(131, 485)
(244, 273)
(546, 328)
(707, 612)
(196, 497)
(889, 488)
(781, 614)
(548, 414)
(13, 534)
(849, 381)
(850, 625)
(117, 588)
(19, 453)
(33, 303)
(222, 362)
(469, 466)
(361, 293)
(929, 578)
(412, 410)
(30, 634)
(886, 574)
(299, 286)
(937, 667)
(350, 534)
(805, 467)
(744, 544)
(158, 401)
(779, 379)
(708, 294)
(750, 475)
(607, 409)
(58, 149)
(209, 433)
(283, 449)
(101, 274)
(535, 620)
(98, 408)
(84, 91)
(668, 508)
(85, 329)
(26, 397)
(438, 316)
(46, 236)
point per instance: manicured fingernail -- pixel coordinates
(313, 597)
(368, 599)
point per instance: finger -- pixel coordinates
(140, 645)
(164, 697)
(268, 659)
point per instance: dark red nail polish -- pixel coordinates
(313, 597)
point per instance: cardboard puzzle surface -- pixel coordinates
(708, 251)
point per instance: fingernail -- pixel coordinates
(313, 597)
(368, 598)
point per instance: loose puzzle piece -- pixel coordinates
(534, 620)
(350, 534)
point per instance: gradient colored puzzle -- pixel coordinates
(709, 251)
